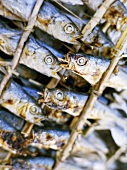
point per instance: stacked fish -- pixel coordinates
(55, 74)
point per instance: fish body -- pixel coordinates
(57, 116)
(9, 38)
(7, 14)
(72, 103)
(17, 7)
(91, 68)
(97, 43)
(74, 2)
(49, 19)
(94, 5)
(20, 103)
(40, 59)
(10, 139)
(15, 121)
(55, 23)
(53, 138)
(39, 163)
(34, 56)
(116, 14)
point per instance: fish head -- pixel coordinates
(75, 62)
(72, 32)
(87, 66)
(66, 101)
(40, 59)
(51, 63)
(67, 31)
(31, 112)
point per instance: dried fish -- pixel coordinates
(91, 69)
(7, 14)
(17, 7)
(116, 14)
(40, 59)
(52, 21)
(87, 161)
(94, 5)
(56, 115)
(97, 43)
(9, 38)
(34, 56)
(118, 129)
(20, 103)
(74, 2)
(15, 121)
(51, 115)
(54, 138)
(10, 139)
(39, 163)
(68, 101)
(49, 19)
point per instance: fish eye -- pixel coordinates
(81, 61)
(69, 28)
(59, 95)
(49, 59)
(34, 110)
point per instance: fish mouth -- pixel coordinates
(75, 39)
(64, 63)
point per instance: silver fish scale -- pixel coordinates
(41, 101)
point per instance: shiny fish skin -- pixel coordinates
(116, 14)
(97, 43)
(15, 121)
(40, 59)
(57, 116)
(9, 38)
(32, 92)
(57, 24)
(94, 5)
(89, 67)
(10, 139)
(64, 100)
(49, 19)
(17, 7)
(7, 14)
(38, 163)
(72, 2)
(34, 55)
(20, 103)
(53, 138)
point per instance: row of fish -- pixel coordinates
(39, 58)
(23, 103)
